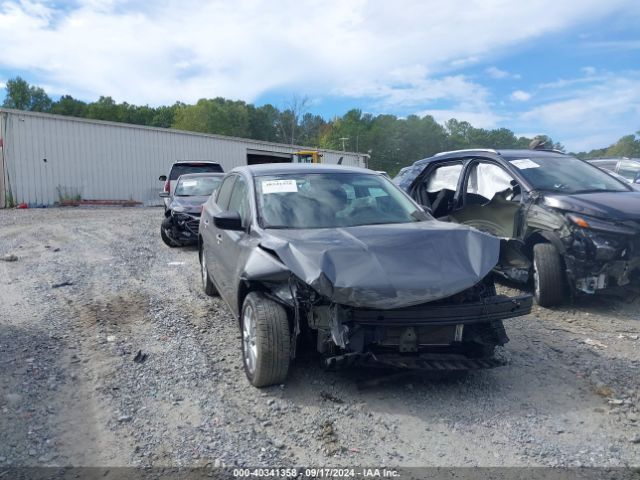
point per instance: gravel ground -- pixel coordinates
(91, 288)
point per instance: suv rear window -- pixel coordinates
(195, 167)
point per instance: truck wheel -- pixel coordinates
(265, 340)
(548, 275)
(207, 285)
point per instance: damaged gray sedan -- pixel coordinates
(339, 262)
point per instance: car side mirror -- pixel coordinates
(164, 194)
(637, 179)
(228, 221)
(162, 178)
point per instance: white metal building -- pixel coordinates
(45, 158)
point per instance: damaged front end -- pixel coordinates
(456, 333)
(601, 254)
(181, 225)
(355, 293)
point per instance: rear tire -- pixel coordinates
(548, 275)
(266, 343)
(207, 285)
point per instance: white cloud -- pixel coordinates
(593, 116)
(464, 62)
(588, 70)
(499, 74)
(159, 52)
(520, 96)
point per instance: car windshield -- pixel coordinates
(566, 175)
(197, 186)
(325, 200)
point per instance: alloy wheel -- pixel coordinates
(250, 350)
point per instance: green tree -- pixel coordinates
(22, 96)
(67, 105)
(220, 116)
(627, 146)
(263, 122)
(104, 109)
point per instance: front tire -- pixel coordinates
(548, 275)
(266, 343)
(166, 238)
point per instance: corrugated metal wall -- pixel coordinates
(49, 157)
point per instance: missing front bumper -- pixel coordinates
(425, 362)
(492, 308)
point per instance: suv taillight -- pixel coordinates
(166, 186)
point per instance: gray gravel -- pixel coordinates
(72, 394)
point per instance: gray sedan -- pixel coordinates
(340, 262)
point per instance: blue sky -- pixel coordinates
(568, 69)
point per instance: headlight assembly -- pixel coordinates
(591, 223)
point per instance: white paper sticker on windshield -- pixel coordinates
(524, 163)
(279, 186)
(189, 183)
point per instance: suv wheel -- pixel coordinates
(207, 285)
(265, 340)
(548, 276)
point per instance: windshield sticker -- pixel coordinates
(279, 186)
(524, 163)
(189, 183)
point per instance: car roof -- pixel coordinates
(206, 174)
(195, 162)
(285, 168)
(507, 154)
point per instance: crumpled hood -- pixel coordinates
(190, 204)
(387, 266)
(605, 205)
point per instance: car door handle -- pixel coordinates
(219, 238)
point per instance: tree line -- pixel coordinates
(392, 142)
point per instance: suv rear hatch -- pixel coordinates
(182, 168)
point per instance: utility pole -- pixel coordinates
(344, 139)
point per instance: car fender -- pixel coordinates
(545, 236)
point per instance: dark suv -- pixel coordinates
(184, 168)
(562, 222)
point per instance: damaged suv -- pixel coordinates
(338, 260)
(562, 222)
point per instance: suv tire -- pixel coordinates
(266, 342)
(548, 276)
